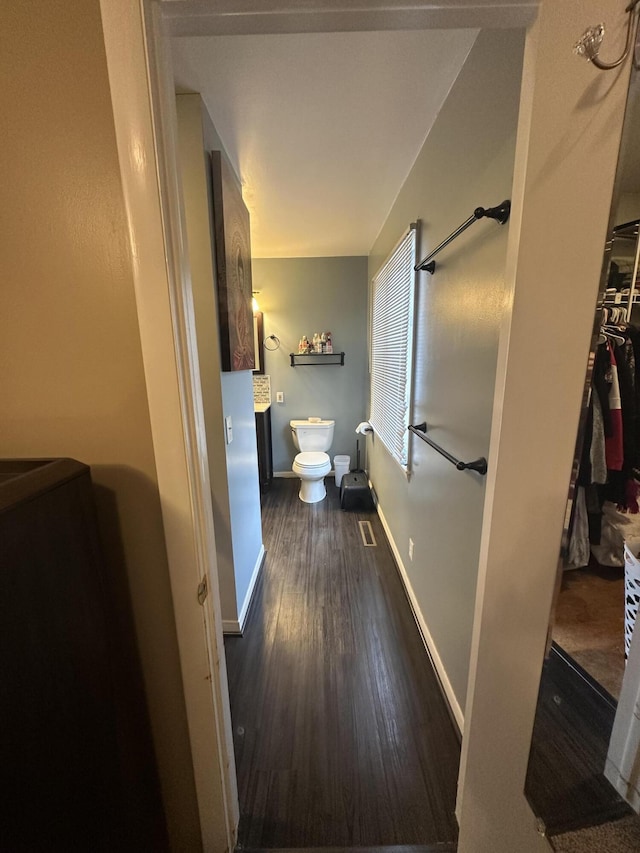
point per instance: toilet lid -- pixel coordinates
(312, 459)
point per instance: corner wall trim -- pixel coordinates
(236, 626)
(427, 639)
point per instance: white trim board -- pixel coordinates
(427, 639)
(236, 626)
(199, 18)
(143, 102)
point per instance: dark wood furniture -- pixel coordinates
(265, 452)
(58, 744)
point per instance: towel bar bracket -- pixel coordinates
(500, 213)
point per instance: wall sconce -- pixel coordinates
(254, 301)
(588, 45)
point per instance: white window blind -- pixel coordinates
(392, 333)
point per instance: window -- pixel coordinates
(392, 333)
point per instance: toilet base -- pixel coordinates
(312, 491)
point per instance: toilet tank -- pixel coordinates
(314, 434)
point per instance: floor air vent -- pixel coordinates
(366, 531)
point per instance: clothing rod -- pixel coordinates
(479, 465)
(499, 213)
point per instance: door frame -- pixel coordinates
(143, 99)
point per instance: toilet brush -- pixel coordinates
(358, 469)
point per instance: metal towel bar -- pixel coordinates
(479, 465)
(499, 213)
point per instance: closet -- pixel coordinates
(582, 676)
(592, 610)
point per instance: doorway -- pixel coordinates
(595, 608)
(267, 789)
(493, 636)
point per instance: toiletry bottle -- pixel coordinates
(329, 343)
(304, 344)
(323, 342)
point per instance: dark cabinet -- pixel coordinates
(58, 743)
(265, 453)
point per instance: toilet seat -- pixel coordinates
(312, 459)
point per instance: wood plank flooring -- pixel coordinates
(565, 778)
(341, 734)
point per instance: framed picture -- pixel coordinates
(233, 268)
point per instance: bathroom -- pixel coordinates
(295, 295)
(465, 161)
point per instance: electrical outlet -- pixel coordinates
(279, 396)
(411, 549)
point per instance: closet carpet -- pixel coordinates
(589, 622)
(620, 836)
(342, 737)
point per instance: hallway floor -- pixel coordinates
(342, 737)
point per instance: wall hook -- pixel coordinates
(590, 42)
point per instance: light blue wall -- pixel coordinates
(302, 296)
(242, 454)
(233, 468)
(466, 162)
(242, 479)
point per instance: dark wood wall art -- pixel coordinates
(233, 268)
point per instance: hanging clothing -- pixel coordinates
(614, 445)
(579, 548)
(597, 454)
(606, 487)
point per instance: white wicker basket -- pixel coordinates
(631, 589)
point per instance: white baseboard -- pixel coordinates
(236, 626)
(427, 639)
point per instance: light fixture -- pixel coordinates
(588, 45)
(254, 301)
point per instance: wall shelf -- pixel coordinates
(324, 358)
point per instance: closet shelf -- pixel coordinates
(302, 359)
(620, 299)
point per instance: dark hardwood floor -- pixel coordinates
(565, 782)
(342, 737)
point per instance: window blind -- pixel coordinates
(392, 333)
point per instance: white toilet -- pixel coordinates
(313, 438)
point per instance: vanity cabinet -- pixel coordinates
(265, 453)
